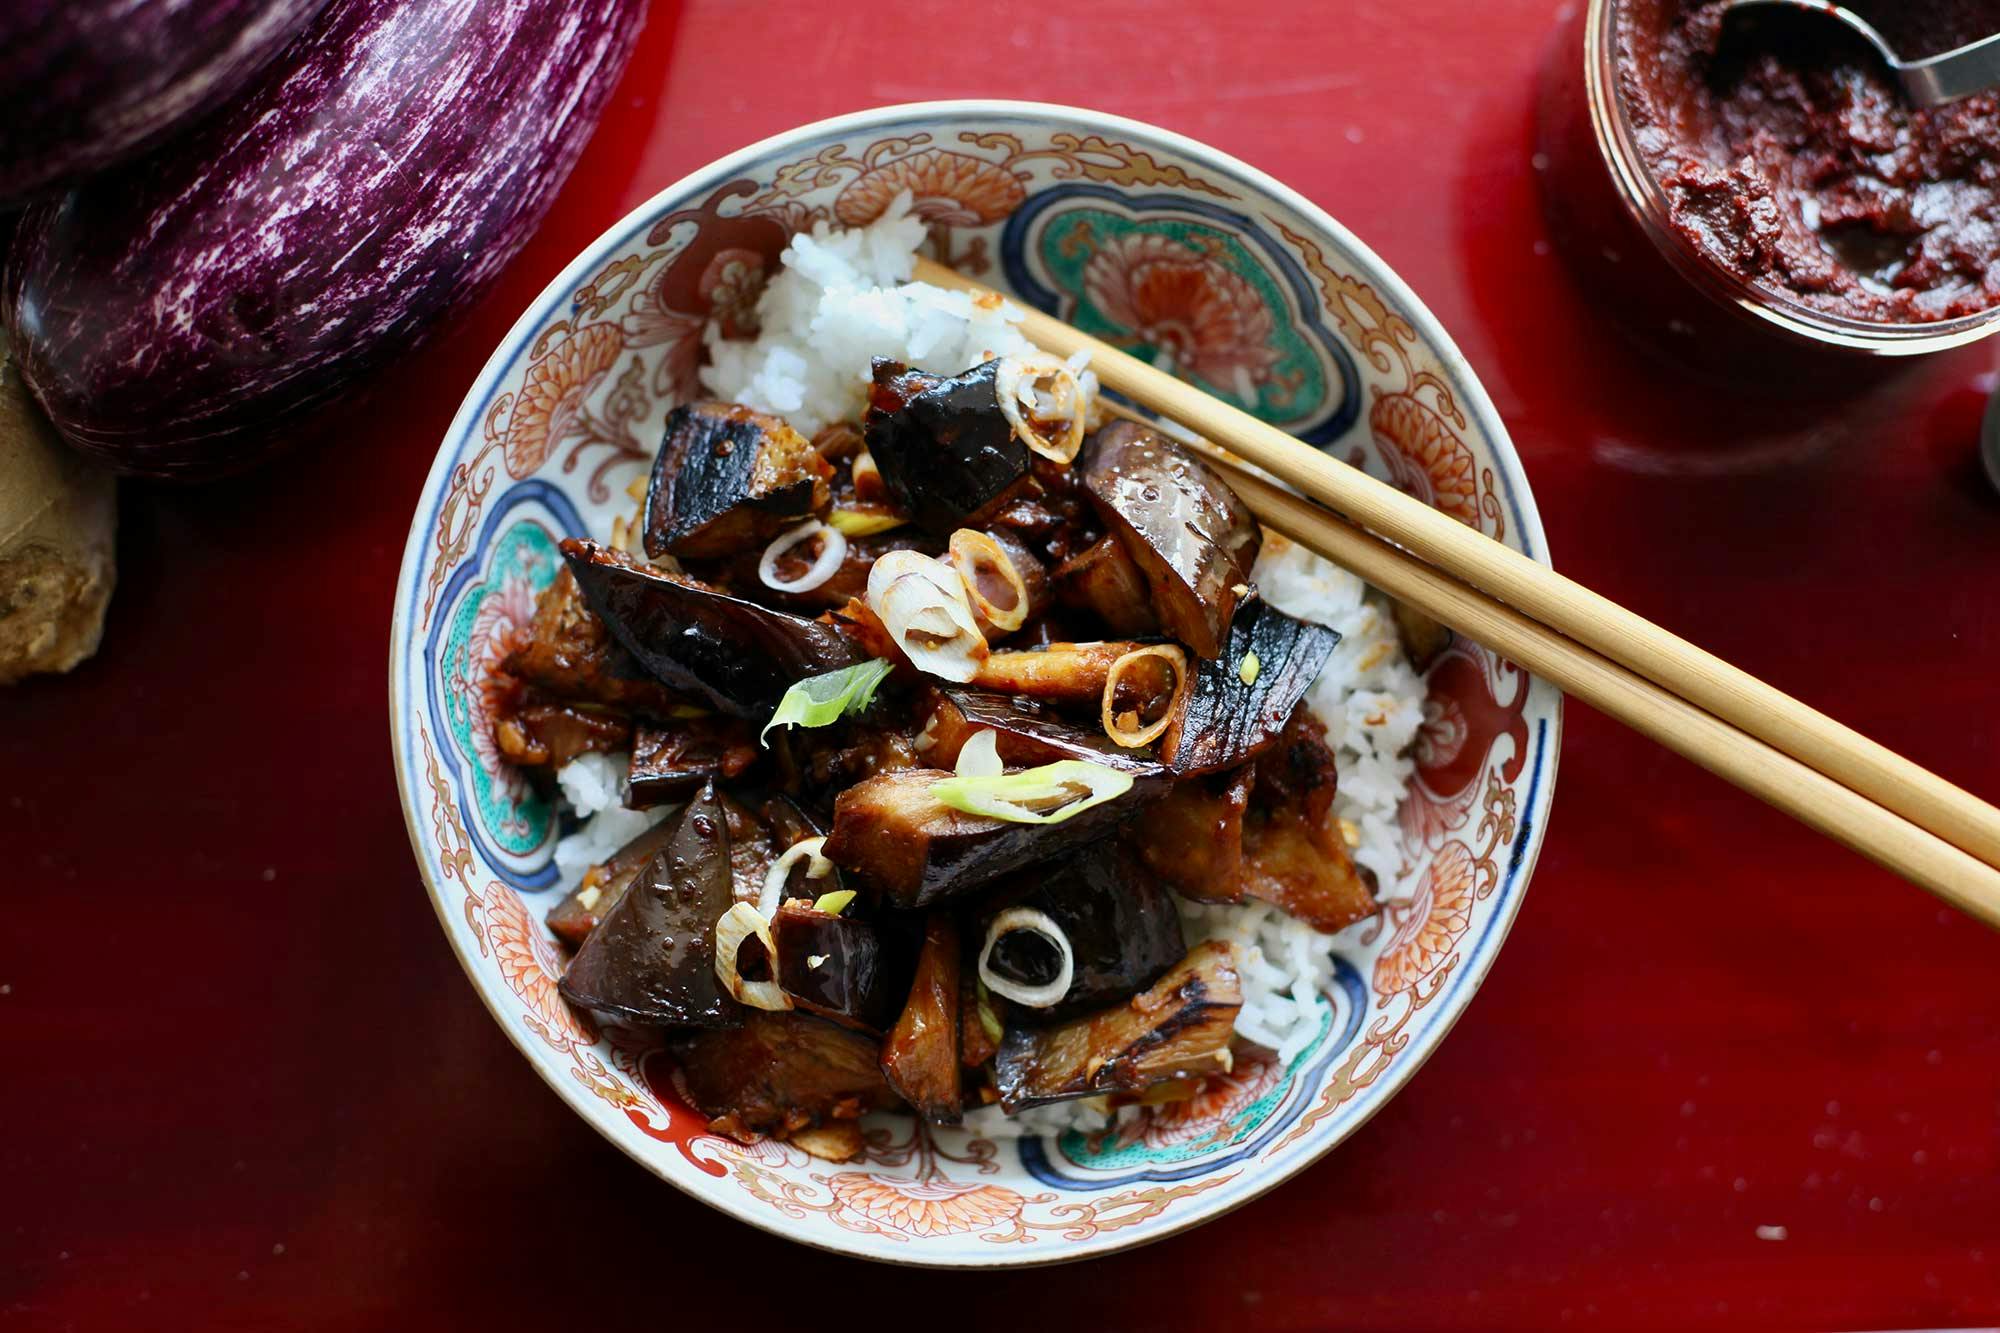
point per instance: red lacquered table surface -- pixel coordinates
(1724, 1074)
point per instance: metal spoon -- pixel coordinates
(1989, 439)
(1932, 81)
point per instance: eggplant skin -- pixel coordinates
(739, 656)
(569, 654)
(1025, 734)
(85, 84)
(781, 1073)
(944, 449)
(851, 983)
(181, 315)
(1179, 1028)
(920, 1054)
(729, 479)
(1104, 580)
(604, 884)
(673, 759)
(913, 849)
(651, 959)
(1224, 722)
(1119, 918)
(1192, 537)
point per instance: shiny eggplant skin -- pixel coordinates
(651, 959)
(729, 479)
(1192, 538)
(944, 449)
(1025, 735)
(851, 983)
(183, 314)
(737, 655)
(1223, 722)
(1178, 1029)
(85, 84)
(569, 654)
(1120, 920)
(540, 733)
(604, 884)
(920, 1054)
(781, 1073)
(913, 849)
(672, 759)
(1105, 581)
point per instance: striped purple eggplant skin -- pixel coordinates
(181, 316)
(87, 83)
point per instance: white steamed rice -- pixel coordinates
(843, 298)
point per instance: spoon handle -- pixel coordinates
(1969, 69)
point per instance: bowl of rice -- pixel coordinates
(772, 277)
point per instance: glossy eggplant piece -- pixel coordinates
(1025, 734)
(1223, 721)
(979, 1029)
(944, 449)
(1105, 581)
(1178, 1029)
(781, 1073)
(752, 848)
(729, 478)
(835, 966)
(1293, 854)
(672, 759)
(920, 1054)
(901, 840)
(1265, 830)
(1063, 673)
(737, 655)
(604, 884)
(998, 592)
(651, 959)
(1424, 639)
(569, 654)
(848, 582)
(1119, 918)
(539, 733)
(1192, 538)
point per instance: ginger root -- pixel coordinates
(58, 513)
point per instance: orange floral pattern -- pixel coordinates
(948, 189)
(553, 392)
(1432, 922)
(924, 1207)
(1207, 321)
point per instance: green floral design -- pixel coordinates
(516, 818)
(1296, 385)
(1110, 1155)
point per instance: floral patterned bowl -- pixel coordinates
(1141, 237)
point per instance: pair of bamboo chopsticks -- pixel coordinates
(1830, 777)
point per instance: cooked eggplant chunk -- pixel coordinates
(604, 884)
(1025, 734)
(1423, 638)
(1265, 830)
(570, 654)
(780, 1073)
(1121, 923)
(920, 1054)
(1179, 1029)
(1067, 673)
(729, 479)
(652, 957)
(849, 580)
(944, 449)
(834, 966)
(552, 734)
(1104, 580)
(672, 759)
(739, 656)
(979, 1029)
(1241, 701)
(898, 837)
(1189, 534)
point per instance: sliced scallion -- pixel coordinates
(1046, 795)
(820, 700)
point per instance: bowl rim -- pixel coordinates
(704, 178)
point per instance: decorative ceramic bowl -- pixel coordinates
(1141, 237)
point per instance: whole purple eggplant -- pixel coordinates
(86, 83)
(179, 316)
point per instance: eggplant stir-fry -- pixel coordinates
(944, 710)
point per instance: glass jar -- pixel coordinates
(1609, 216)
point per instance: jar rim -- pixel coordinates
(1646, 199)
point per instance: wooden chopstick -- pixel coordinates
(1816, 800)
(1677, 667)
